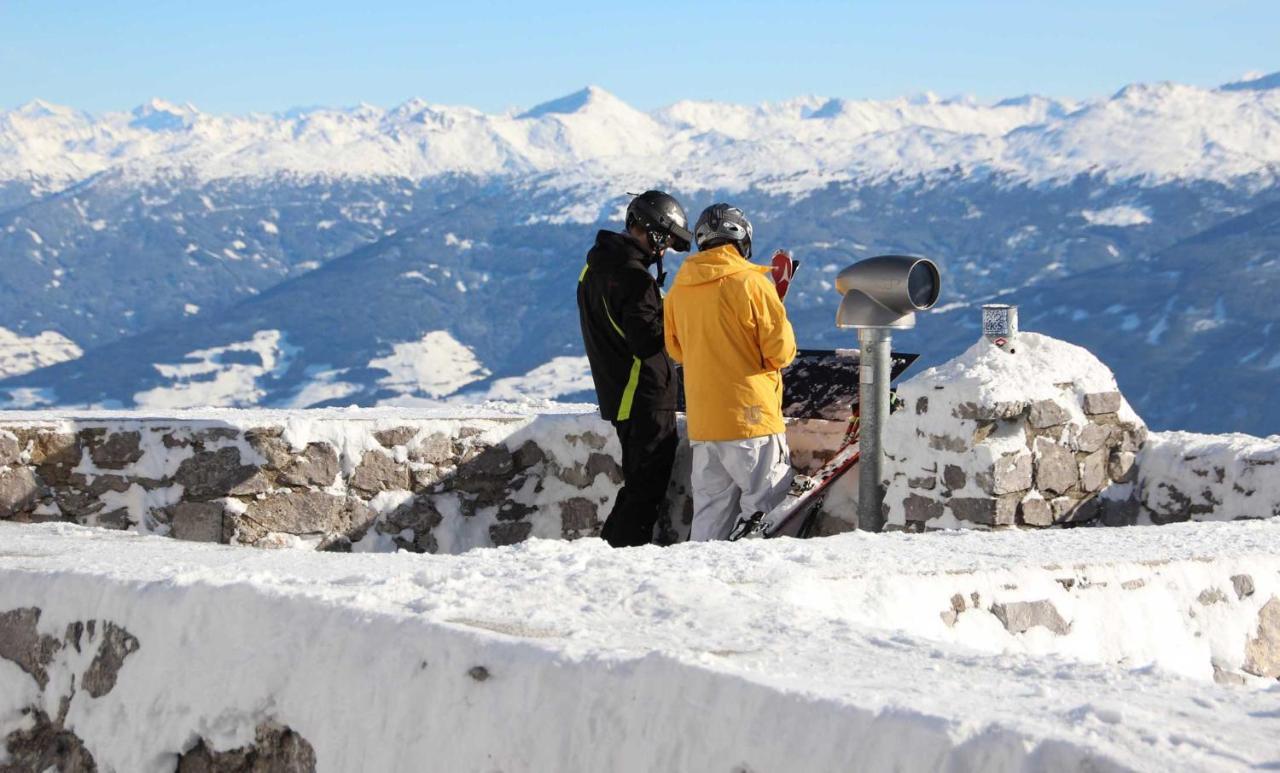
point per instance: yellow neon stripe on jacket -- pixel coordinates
(611, 322)
(583, 275)
(629, 394)
(633, 381)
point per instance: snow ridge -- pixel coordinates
(1151, 133)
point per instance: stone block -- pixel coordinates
(1092, 437)
(1101, 402)
(991, 412)
(927, 482)
(1021, 616)
(275, 748)
(922, 406)
(921, 509)
(1243, 586)
(436, 448)
(1121, 466)
(1047, 413)
(20, 491)
(515, 511)
(1133, 437)
(378, 472)
(1008, 474)
(494, 461)
(948, 443)
(1262, 650)
(115, 645)
(1093, 472)
(988, 511)
(509, 532)
(214, 434)
(579, 517)
(115, 519)
(1063, 507)
(396, 436)
(418, 515)
(1034, 511)
(302, 512)
(599, 463)
(212, 474)
(196, 521)
(590, 439)
(1055, 467)
(1229, 678)
(9, 449)
(528, 455)
(317, 465)
(1120, 511)
(53, 454)
(119, 450)
(21, 643)
(953, 477)
(984, 431)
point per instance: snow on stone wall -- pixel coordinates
(1183, 476)
(317, 479)
(1049, 650)
(1030, 436)
(367, 480)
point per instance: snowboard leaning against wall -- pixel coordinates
(620, 309)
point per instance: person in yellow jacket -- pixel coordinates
(724, 321)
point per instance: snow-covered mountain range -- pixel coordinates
(165, 256)
(1156, 133)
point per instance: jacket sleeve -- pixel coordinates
(669, 330)
(773, 330)
(640, 309)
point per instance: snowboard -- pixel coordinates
(784, 270)
(827, 384)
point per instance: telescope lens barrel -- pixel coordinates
(922, 284)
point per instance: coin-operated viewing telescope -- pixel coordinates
(881, 294)
(886, 291)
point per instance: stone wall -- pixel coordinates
(295, 480)
(424, 485)
(1039, 436)
(1183, 476)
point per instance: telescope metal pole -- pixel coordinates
(873, 401)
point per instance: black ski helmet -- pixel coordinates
(723, 223)
(662, 218)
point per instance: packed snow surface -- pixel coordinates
(765, 655)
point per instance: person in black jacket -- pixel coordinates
(620, 308)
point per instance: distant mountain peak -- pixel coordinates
(39, 108)
(1254, 82)
(587, 99)
(160, 115)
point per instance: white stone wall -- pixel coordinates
(431, 485)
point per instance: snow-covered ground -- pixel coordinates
(823, 655)
(20, 355)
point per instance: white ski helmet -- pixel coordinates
(723, 223)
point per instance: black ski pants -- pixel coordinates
(648, 452)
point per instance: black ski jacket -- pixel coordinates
(620, 308)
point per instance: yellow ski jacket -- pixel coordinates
(723, 319)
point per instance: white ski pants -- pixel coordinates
(736, 477)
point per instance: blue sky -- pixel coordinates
(237, 56)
